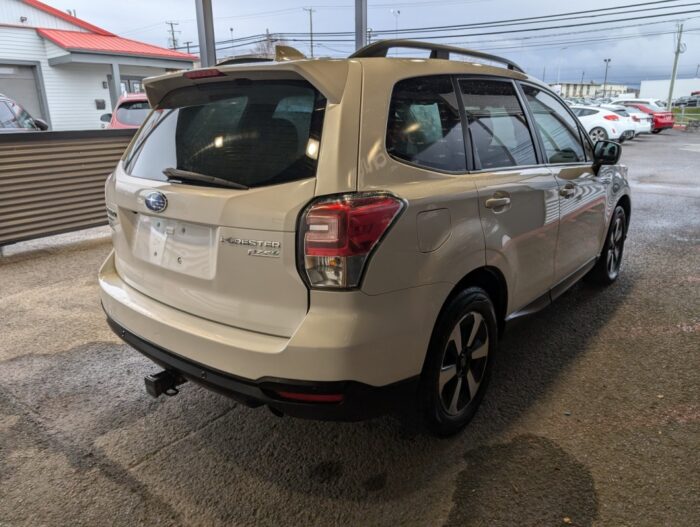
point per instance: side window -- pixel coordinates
(424, 126)
(557, 128)
(7, 118)
(497, 126)
(24, 120)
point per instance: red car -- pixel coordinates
(662, 118)
(131, 110)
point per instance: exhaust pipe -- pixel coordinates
(164, 382)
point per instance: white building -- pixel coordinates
(590, 89)
(659, 89)
(67, 71)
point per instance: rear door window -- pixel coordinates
(133, 113)
(250, 133)
(557, 128)
(498, 128)
(7, 118)
(424, 126)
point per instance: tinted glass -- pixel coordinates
(7, 118)
(253, 133)
(497, 124)
(424, 126)
(557, 128)
(23, 118)
(133, 113)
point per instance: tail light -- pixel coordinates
(611, 117)
(203, 74)
(338, 234)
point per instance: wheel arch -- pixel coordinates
(491, 280)
(626, 203)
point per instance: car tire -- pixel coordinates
(656, 131)
(598, 134)
(607, 268)
(459, 362)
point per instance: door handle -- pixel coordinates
(568, 191)
(496, 203)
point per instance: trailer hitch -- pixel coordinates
(164, 382)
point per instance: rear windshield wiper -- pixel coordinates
(185, 175)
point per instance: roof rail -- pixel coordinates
(380, 48)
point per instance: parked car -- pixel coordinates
(603, 125)
(14, 118)
(662, 119)
(638, 120)
(651, 102)
(301, 235)
(130, 112)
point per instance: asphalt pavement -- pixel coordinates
(592, 418)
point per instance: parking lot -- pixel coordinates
(593, 417)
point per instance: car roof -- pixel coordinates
(329, 75)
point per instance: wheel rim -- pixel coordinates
(614, 256)
(597, 134)
(463, 363)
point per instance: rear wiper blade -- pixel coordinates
(185, 175)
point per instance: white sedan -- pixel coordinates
(643, 122)
(602, 124)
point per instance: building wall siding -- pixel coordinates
(12, 10)
(71, 89)
(659, 89)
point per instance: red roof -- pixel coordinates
(68, 18)
(112, 44)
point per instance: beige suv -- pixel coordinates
(336, 239)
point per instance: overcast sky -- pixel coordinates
(632, 59)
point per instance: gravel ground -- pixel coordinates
(593, 417)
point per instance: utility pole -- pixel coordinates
(582, 75)
(230, 30)
(397, 14)
(205, 31)
(369, 38)
(173, 38)
(544, 72)
(188, 45)
(311, 28)
(680, 48)
(360, 23)
(605, 80)
(697, 71)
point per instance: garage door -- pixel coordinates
(19, 83)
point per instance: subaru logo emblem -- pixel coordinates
(156, 201)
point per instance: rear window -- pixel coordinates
(133, 113)
(251, 133)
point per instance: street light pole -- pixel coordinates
(205, 31)
(396, 13)
(360, 24)
(605, 80)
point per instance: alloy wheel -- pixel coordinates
(614, 256)
(463, 363)
(598, 134)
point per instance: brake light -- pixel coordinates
(337, 236)
(203, 74)
(611, 117)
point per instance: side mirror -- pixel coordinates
(41, 124)
(606, 153)
(106, 117)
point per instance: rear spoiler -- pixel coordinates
(327, 76)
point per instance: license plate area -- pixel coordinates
(179, 246)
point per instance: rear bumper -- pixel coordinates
(359, 401)
(349, 337)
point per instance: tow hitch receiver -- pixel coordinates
(163, 382)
